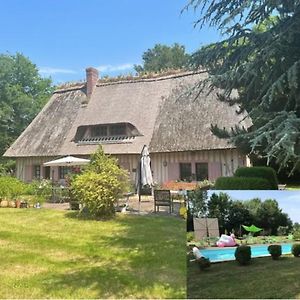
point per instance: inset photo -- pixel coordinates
(243, 244)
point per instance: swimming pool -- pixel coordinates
(223, 254)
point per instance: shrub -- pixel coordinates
(296, 235)
(40, 189)
(242, 183)
(275, 251)
(74, 205)
(100, 185)
(203, 263)
(243, 254)
(259, 172)
(11, 188)
(190, 236)
(296, 250)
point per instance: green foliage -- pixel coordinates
(40, 189)
(242, 183)
(259, 172)
(11, 188)
(260, 58)
(100, 185)
(283, 230)
(231, 214)
(296, 235)
(190, 236)
(243, 254)
(296, 250)
(219, 207)
(162, 57)
(197, 206)
(296, 226)
(275, 251)
(197, 202)
(203, 263)
(238, 214)
(22, 94)
(7, 167)
(270, 217)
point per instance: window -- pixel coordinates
(100, 130)
(63, 171)
(37, 172)
(47, 173)
(201, 171)
(185, 171)
(118, 129)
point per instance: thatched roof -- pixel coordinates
(162, 109)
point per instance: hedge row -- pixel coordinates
(249, 178)
(259, 172)
(243, 252)
(242, 183)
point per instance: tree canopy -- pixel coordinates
(231, 214)
(163, 57)
(22, 94)
(260, 58)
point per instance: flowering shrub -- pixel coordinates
(40, 189)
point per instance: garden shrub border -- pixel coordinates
(267, 173)
(242, 183)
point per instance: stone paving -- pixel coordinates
(146, 206)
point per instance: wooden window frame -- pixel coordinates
(185, 177)
(198, 178)
(37, 172)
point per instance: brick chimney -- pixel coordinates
(91, 80)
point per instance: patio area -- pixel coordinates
(146, 206)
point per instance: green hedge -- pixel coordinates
(275, 251)
(259, 172)
(242, 183)
(296, 250)
(243, 254)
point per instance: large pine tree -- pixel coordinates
(260, 58)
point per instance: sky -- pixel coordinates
(63, 37)
(289, 201)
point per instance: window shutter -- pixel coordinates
(214, 170)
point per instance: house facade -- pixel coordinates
(165, 112)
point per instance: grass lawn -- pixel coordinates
(48, 253)
(263, 278)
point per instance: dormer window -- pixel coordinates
(99, 131)
(117, 130)
(106, 133)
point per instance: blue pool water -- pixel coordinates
(222, 254)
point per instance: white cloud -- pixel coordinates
(111, 68)
(52, 71)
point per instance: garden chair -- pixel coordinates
(162, 198)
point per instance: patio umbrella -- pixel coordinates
(144, 176)
(66, 162)
(146, 173)
(252, 228)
